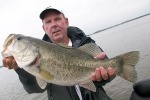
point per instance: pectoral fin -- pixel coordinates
(89, 85)
(42, 83)
(45, 74)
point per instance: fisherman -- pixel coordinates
(57, 30)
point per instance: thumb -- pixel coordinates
(100, 56)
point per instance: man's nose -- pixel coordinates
(53, 24)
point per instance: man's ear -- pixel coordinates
(67, 21)
(43, 27)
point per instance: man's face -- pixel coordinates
(55, 26)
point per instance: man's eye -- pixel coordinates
(57, 19)
(48, 21)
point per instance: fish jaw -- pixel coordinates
(8, 41)
(5, 52)
(24, 53)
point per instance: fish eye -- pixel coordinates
(19, 38)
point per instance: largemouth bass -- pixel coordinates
(64, 65)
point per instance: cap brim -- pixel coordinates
(44, 12)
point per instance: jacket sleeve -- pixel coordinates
(29, 81)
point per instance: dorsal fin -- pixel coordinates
(42, 83)
(91, 48)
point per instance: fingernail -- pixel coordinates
(93, 74)
(97, 68)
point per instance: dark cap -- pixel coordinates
(47, 10)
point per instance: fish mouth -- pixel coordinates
(8, 41)
(35, 62)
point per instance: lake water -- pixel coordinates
(134, 35)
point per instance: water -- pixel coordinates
(134, 35)
(12, 89)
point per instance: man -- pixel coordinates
(55, 25)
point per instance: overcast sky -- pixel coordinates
(22, 16)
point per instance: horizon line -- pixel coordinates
(119, 24)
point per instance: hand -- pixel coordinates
(101, 73)
(10, 63)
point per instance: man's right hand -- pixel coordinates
(10, 63)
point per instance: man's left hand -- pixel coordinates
(101, 73)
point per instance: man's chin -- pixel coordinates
(57, 37)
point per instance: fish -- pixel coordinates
(64, 65)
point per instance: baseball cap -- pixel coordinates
(49, 9)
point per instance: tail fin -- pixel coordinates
(130, 59)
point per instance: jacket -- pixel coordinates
(56, 92)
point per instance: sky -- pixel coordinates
(22, 16)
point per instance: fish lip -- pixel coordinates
(8, 41)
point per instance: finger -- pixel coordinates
(93, 76)
(4, 62)
(14, 64)
(110, 71)
(100, 56)
(104, 74)
(98, 74)
(8, 61)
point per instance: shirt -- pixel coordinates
(76, 86)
